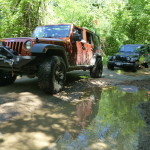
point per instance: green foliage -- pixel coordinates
(131, 24)
(18, 18)
(105, 60)
(117, 22)
(145, 52)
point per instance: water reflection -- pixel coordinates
(87, 109)
(128, 88)
(102, 119)
(140, 72)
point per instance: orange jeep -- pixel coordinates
(49, 53)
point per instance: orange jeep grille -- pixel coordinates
(16, 46)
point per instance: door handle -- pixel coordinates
(83, 47)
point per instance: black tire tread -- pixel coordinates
(6, 78)
(110, 67)
(94, 69)
(46, 74)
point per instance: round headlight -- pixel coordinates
(128, 58)
(114, 57)
(1, 43)
(28, 45)
(133, 59)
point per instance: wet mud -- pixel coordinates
(95, 114)
(144, 138)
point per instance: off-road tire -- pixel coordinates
(146, 65)
(110, 66)
(97, 69)
(52, 75)
(6, 78)
(135, 66)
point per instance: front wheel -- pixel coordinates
(97, 69)
(135, 66)
(146, 65)
(110, 66)
(52, 75)
(7, 78)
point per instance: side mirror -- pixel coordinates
(77, 37)
(83, 41)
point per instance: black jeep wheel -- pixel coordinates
(146, 65)
(6, 78)
(52, 75)
(135, 66)
(110, 66)
(97, 69)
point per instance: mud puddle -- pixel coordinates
(142, 73)
(101, 119)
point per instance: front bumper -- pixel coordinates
(121, 64)
(9, 59)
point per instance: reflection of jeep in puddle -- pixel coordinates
(36, 119)
(49, 54)
(86, 110)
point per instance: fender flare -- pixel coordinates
(50, 49)
(94, 58)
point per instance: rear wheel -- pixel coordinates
(52, 75)
(7, 78)
(97, 69)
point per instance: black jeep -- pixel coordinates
(128, 57)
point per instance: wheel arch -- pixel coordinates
(95, 58)
(50, 50)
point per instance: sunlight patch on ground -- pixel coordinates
(99, 145)
(26, 140)
(22, 104)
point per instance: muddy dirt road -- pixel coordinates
(100, 114)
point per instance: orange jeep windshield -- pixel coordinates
(52, 31)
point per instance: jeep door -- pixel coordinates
(88, 46)
(84, 48)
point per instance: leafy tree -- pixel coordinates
(117, 22)
(18, 18)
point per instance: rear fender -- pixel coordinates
(95, 57)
